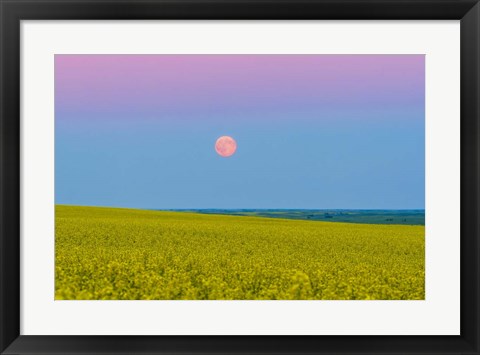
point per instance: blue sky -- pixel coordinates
(123, 141)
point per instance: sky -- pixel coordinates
(312, 131)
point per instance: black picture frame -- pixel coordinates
(13, 11)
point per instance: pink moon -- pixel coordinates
(225, 146)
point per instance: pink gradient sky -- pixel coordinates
(185, 85)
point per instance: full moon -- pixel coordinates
(225, 146)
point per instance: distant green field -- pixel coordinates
(109, 253)
(407, 217)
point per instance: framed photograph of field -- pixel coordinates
(239, 177)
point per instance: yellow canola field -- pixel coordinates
(118, 254)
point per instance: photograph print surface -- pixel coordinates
(239, 177)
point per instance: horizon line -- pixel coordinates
(247, 208)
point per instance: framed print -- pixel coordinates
(239, 177)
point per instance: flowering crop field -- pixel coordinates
(118, 254)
